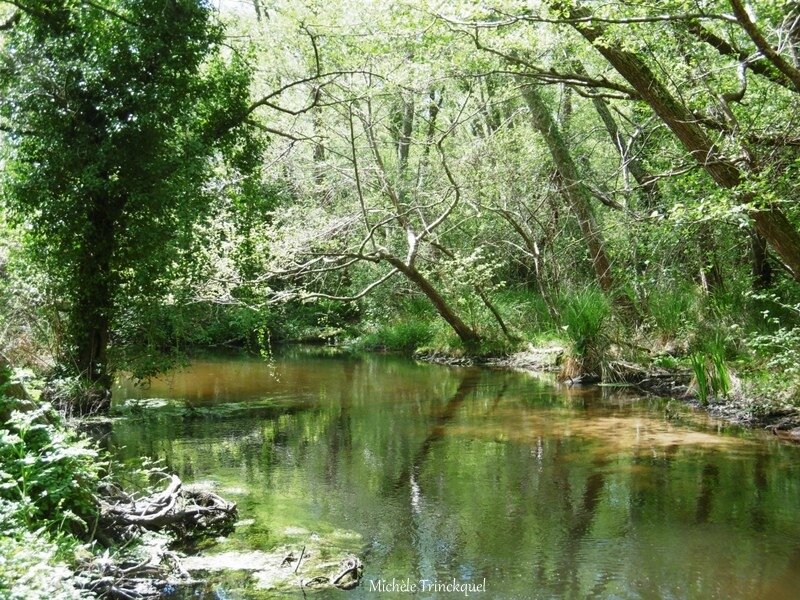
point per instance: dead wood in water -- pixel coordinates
(147, 579)
(189, 514)
(186, 514)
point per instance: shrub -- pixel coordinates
(48, 474)
(30, 569)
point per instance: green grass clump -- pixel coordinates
(583, 315)
(673, 310)
(711, 372)
(400, 337)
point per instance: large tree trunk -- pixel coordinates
(764, 47)
(576, 192)
(90, 322)
(770, 221)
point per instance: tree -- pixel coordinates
(770, 221)
(573, 186)
(116, 115)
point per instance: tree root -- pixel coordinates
(346, 577)
(107, 578)
(188, 514)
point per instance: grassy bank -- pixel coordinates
(737, 356)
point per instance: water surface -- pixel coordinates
(437, 473)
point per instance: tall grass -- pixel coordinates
(526, 311)
(673, 310)
(711, 373)
(698, 361)
(583, 315)
(401, 337)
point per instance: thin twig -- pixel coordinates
(299, 560)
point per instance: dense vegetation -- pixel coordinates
(618, 178)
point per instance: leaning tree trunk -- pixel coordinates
(769, 220)
(468, 336)
(574, 189)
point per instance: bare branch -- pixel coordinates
(509, 19)
(361, 294)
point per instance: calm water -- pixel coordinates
(435, 473)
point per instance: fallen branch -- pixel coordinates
(188, 514)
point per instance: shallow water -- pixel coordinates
(435, 473)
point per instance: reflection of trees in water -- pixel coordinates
(573, 515)
(340, 434)
(431, 537)
(468, 384)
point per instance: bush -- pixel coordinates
(48, 479)
(29, 567)
(48, 475)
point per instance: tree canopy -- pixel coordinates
(486, 172)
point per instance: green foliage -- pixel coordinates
(698, 362)
(777, 343)
(48, 476)
(163, 334)
(30, 568)
(711, 373)
(467, 272)
(720, 377)
(109, 173)
(583, 314)
(526, 310)
(672, 309)
(402, 337)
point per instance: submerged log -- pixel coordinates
(347, 576)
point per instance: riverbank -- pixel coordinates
(744, 405)
(79, 524)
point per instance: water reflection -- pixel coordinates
(436, 473)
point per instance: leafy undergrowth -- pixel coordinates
(48, 480)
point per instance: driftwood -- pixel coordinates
(189, 514)
(147, 579)
(346, 577)
(349, 574)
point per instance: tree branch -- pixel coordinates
(763, 45)
(361, 294)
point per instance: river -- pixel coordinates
(434, 474)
